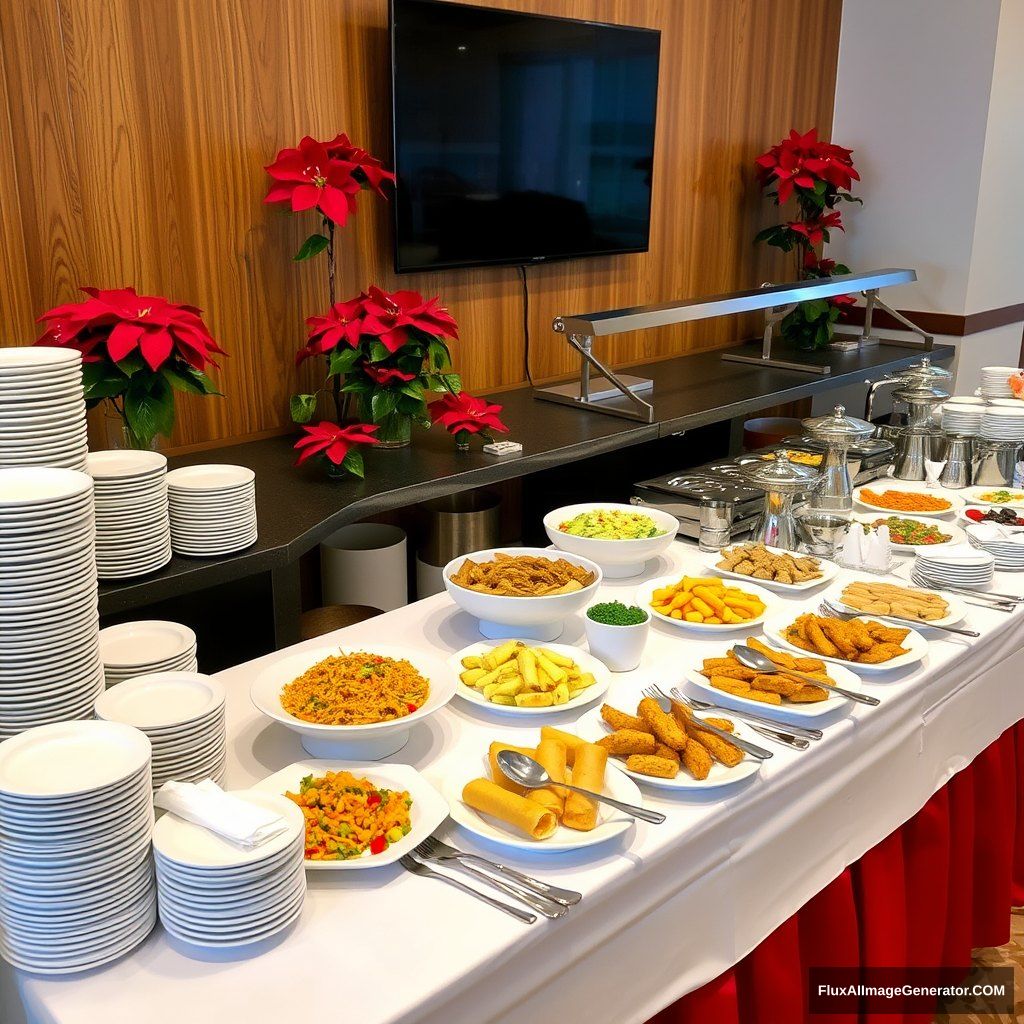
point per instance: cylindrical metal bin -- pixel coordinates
(454, 525)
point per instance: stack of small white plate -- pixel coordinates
(141, 648)
(1001, 423)
(955, 565)
(42, 408)
(214, 894)
(76, 815)
(182, 713)
(213, 509)
(133, 528)
(995, 381)
(1006, 546)
(50, 667)
(962, 417)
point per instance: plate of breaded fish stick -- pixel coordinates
(775, 695)
(549, 820)
(864, 644)
(669, 749)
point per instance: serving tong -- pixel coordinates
(827, 608)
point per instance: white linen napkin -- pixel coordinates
(206, 804)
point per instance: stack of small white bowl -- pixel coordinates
(50, 667)
(133, 528)
(1006, 546)
(954, 565)
(995, 381)
(182, 713)
(962, 416)
(214, 894)
(141, 648)
(77, 888)
(1003, 423)
(42, 408)
(213, 509)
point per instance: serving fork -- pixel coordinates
(433, 849)
(410, 863)
(769, 730)
(827, 608)
(747, 716)
(665, 703)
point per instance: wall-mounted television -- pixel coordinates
(518, 138)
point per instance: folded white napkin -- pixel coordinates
(206, 804)
(985, 533)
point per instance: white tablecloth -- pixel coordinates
(666, 907)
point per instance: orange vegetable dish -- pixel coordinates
(905, 501)
(707, 600)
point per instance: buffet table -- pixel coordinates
(666, 908)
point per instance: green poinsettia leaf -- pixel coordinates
(452, 381)
(342, 361)
(414, 407)
(357, 386)
(131, 364)
(353, 462)
(188, 380)
(316, 243)
(383, 403)
(378, 352)
(438, 354)
(149, 407)
(302, 408)
(102, 380)
(412, 388)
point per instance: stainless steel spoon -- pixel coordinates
(532, 775)
(749, 658)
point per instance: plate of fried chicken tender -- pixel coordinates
(773, 695)
(547, 820)
(669, 749)
(772, 567)
(863, 643)
(875, 597)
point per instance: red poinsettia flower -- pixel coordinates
(464, 412)
(842, 301)
(801, 160)
(116, 322)
(815, 230)
(385, 375)
(822, 264)
(326, 438)
(307, 176)
(366, 165)
(342, 324)
(389, 316)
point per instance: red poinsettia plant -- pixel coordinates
(137, 350)
(464, 415)
(818, 175)
(337, 445)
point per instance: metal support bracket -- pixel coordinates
(926, 344)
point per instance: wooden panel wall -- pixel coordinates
(133, 134)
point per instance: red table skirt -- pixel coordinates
(939, 886)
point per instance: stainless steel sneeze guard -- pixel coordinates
(601, 390)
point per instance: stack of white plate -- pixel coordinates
(133, 528)
(1001, 423)
(42, 408)
(50, 667)
(1006, 546)
(995, 381)
(214, 894)
(182, 713)
(955, 565)
(213, 509)
(141, 648)
(962, 417)
(76, 815)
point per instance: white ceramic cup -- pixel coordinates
(618, 647)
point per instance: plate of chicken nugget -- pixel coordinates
(773, 568)
(863, 643)
(669, 749)
(778, 696)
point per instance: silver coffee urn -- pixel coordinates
(837, 432)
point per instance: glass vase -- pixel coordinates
(394, 429)
(118, 435)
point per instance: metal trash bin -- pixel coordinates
(452, 526)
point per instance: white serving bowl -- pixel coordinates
(525, 618)
(351, 742)
(618, 559)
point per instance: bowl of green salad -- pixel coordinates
(620, 538)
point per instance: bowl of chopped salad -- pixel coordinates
(909, 533)
(620, 538)
(357, 814)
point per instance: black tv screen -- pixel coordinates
(518, 138)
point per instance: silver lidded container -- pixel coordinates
(837, 432)
(781, 480)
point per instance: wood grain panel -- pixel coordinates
(133, 135)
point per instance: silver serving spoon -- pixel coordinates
(749, 658)
(532, 775)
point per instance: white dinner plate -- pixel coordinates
(829, 571)
(645, 595)
(141, 643)
(967, 521)
(955, 533)
(209, 478)
(878, 487)
(586, 661)
(974, 497)
(163, 699)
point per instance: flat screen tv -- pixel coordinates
(518, 138)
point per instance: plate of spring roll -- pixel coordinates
(669, 749)
(786, 698)
(524, 678)
(551, 820)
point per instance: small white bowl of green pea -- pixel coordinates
(617, 634)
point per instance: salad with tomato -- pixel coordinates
(912, 532)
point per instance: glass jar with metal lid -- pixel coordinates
(837, 432)
(781, 480)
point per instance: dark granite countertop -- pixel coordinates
(297, 508)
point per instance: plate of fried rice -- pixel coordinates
(357, 701)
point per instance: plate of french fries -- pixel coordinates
(706, 604)
(524, 677)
